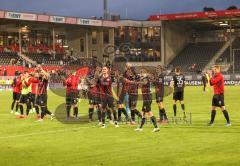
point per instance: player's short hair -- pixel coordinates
(105, 66)
(178, 69)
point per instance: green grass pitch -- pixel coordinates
(26, 142)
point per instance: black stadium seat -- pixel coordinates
(196, 53)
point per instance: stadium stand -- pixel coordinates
(8, 58)
(225, 57)
(138, 58)
(237, 61)
(196, 55)
(45, 58)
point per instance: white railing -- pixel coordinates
(28, 60)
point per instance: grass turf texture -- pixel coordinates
(26, 142)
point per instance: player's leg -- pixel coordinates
(215, 104)
(103, 113)
(91, 107)
(43, 112)
(204, 87)
(13, 102)
(133, 107)
(223, 109)
(161, 118)
(138, 113)
(175, 99)
(143, 120)
(175, 108)
(126, 103)
(21, 105)
(48, 112)
(148, 110)
(18, 95)
(110, 103)
(28, 104)
(16, 108)
(44, 108)
(109, 115)
(162, 112)
(75, 111)
(108, 109)
(36, 106)
(115, 116)
(154, 121)
(31, 102)
(144, 116)
(68, 105)
(24, 100)
(75, 105)
(183, 108)
(213, 114)
(121, 108)
(99, 114)
(90, 111)
(124, 111)
(226, 115)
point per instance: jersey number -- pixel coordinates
(180, 81)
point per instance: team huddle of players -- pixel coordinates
(31, 89)
(102, 96)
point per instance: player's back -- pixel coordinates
(159, 83)
(146, 89)
(179, 82)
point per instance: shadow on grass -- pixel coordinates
(60, 114)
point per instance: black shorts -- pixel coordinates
(218, 100)
(32, 98)
(72, 98)
(132, 100)
(178, 96)
(42, 100)
(146, 106)
(159, 97)
(16, 96)
(107, 101)
(93, 99)
(24, 98)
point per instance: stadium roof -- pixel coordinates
(55, 19)
(197, 15)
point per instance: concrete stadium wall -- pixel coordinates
(175, 38)
(74, 37)
(210, 36)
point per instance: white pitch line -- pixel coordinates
(41, 133)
